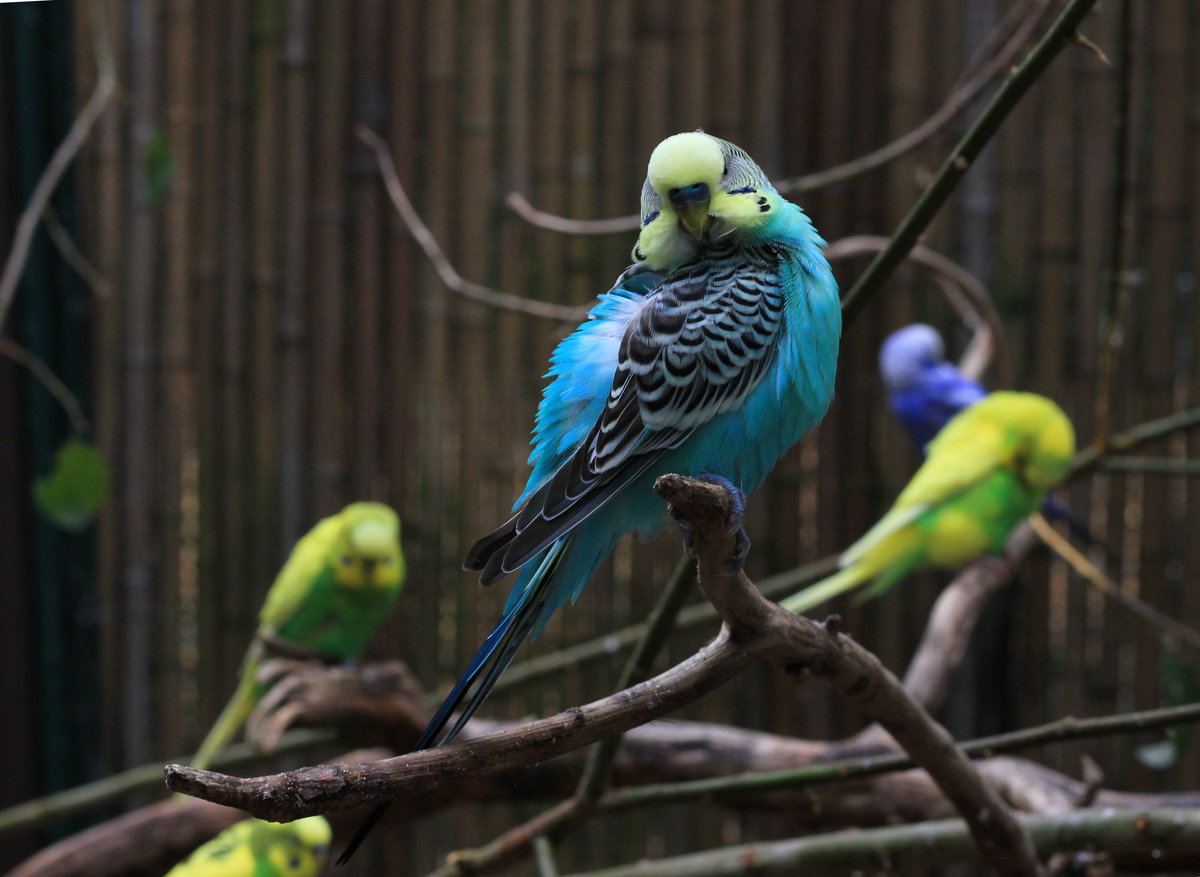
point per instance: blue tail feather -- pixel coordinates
(520, 616)
(523, 614)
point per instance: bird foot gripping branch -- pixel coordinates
(722, 505)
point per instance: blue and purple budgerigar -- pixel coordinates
(924, 390)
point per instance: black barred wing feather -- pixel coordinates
(697, 348)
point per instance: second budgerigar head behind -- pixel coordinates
(700, 189)
(907, 353)
(367, 552)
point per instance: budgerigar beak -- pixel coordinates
(691, 205)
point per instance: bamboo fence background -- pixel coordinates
(276, 346)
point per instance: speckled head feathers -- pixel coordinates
(717, 190)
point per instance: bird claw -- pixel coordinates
(741, 550)
(689, 539)
(737, 513)
(737, 497)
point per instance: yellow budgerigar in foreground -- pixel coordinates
(985, 472)
(254, 848)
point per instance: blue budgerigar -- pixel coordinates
(712, 354)
(924, 390)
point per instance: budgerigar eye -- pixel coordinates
(347, 560)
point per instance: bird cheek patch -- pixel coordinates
(743, 209)
(661, 244)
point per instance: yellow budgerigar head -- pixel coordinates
(1045, 439)
(367, 553)
(254, 848)
(698, 190)
(1051, 449)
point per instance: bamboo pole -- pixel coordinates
(176, 528)
(296, 415)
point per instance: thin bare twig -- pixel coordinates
(87, 272)
(76, 136)
(1150, 465)
(1121, 278)
(1097, 578)
(53, 384)
(519, 204)
(973, 83)
(1158, 837)
(859, 767)
(962, 289)
(959, 161)
(1091, 457)
(609, 644)
(454, 281)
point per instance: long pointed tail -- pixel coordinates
(240, 704)
(497, 652)
(826, 589)
(1055, 509)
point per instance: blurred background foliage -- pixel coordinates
(257, 340)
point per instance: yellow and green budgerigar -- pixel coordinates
(337, 585)
(254, 848)
(986, 471)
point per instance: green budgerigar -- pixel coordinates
(337, 585)
(986, 471)
(254, 848)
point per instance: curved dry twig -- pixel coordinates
(454, 281)
(53, 383)
(962, 289)
(81, 127)
(975, 78)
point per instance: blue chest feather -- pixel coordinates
(791, 390)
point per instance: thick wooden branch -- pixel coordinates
(753, 627)
(952, 620)
(148, 840)
(326, 788)
(803, 647)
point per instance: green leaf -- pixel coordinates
(71, 494)
(1179, 686)
(1159, 756)
(158, 168)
